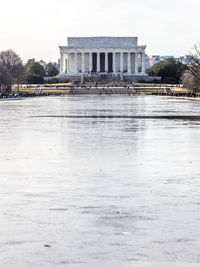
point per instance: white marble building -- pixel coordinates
(93, 56)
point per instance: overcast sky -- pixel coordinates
(35, 28)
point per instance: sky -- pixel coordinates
(35, 28)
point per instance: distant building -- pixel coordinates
(147, 62)
(42, 63)
(184, 59)
(154, 59)
(157, 58)
(56, 65)
(165, 57)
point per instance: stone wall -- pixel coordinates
(102, 41)
(142, 78)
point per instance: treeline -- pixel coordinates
(13, 71)
(191, 77)
(172, 71)
(35, 72)
(169, 70)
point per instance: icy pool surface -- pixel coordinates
(89, 191)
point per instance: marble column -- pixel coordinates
(83, 63)
(136, 63)
(64, 63)
(90, 62)
(121, 62)
(106, 61)
(129, 62)
(75, 62)
(114, 62)
(68, 55)
(61, 62)
(143, 62)
(98, 62)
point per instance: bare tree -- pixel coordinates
(191, 77)
(5, 80)
(12, 69)
(188, 80)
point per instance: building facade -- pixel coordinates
(94, 56)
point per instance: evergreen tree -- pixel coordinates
(169, 69)
(35, 71)
(51, 70)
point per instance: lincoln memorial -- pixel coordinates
(96, 56)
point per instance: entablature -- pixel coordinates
(70, 49)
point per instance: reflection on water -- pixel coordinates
(108, 183)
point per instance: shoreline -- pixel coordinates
(102, 94)
(181, 97)
(9, 99)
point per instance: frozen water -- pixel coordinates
(88, 191)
